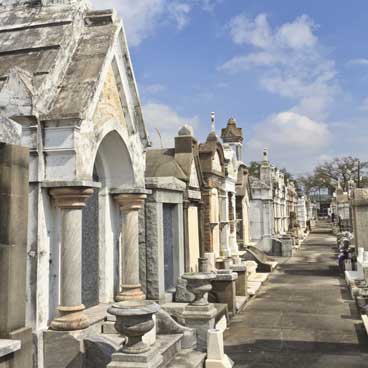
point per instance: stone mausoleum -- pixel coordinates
(66, 78)
(127, 256)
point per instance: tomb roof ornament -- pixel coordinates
(212, 137)
(185, 130)
(232, 134)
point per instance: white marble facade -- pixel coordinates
(87, 139)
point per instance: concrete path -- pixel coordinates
(303, 316)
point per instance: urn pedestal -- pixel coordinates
(133, 320)
(224, 289)
(200, 314)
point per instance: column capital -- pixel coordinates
(130, 201)
(71, 197)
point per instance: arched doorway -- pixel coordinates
(101, 222)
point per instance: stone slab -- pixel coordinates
(258, 277)
(241, 301)
(253, 287)
(9, 346)
(188, 359)
(365, 322)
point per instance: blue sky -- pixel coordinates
(293, 73)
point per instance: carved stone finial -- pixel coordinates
(231, 121)
(213, 128)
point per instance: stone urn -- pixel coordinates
(133, 320)
(199, 283)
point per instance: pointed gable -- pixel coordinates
(193, 179)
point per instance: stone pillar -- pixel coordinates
(186, 237)
(71, 201)
(232, 220)
(14, 176)
(224, 226)
(202, 249)
(360, 217)
(130, 204)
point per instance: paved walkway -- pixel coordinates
(303, 316)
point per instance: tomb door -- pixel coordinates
(169, 246)
(90, 251)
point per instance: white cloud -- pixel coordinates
(361, 61)
(245, 31)
(180, 12)
(289, 60)
(291, 138)
(143, 17)
(298, 34)
(163, 119)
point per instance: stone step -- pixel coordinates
(169, 347)
(188, 359)
(241, 301)
(253, 287)
(259, 277)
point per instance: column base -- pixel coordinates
(70, 319)
(130, 292)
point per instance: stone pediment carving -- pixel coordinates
(16, 94)
(109, 106)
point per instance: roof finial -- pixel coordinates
(213, 129)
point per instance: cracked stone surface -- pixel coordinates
(302, 317)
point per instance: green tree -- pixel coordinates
(328, 174)
(343, 169)
(254, 168)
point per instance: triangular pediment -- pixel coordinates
(16, 94)
(193, 179)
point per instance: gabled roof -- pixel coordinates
(66, 48)
(256, 183)
(162, 163)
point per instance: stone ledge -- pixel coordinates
(167, 183)
(9, 346)
(70, 183)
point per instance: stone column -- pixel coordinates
(202, 248)
(130, 204)
(71, 201)
(224, 226)
(232, 239)
(186, 237)
(360, 217)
